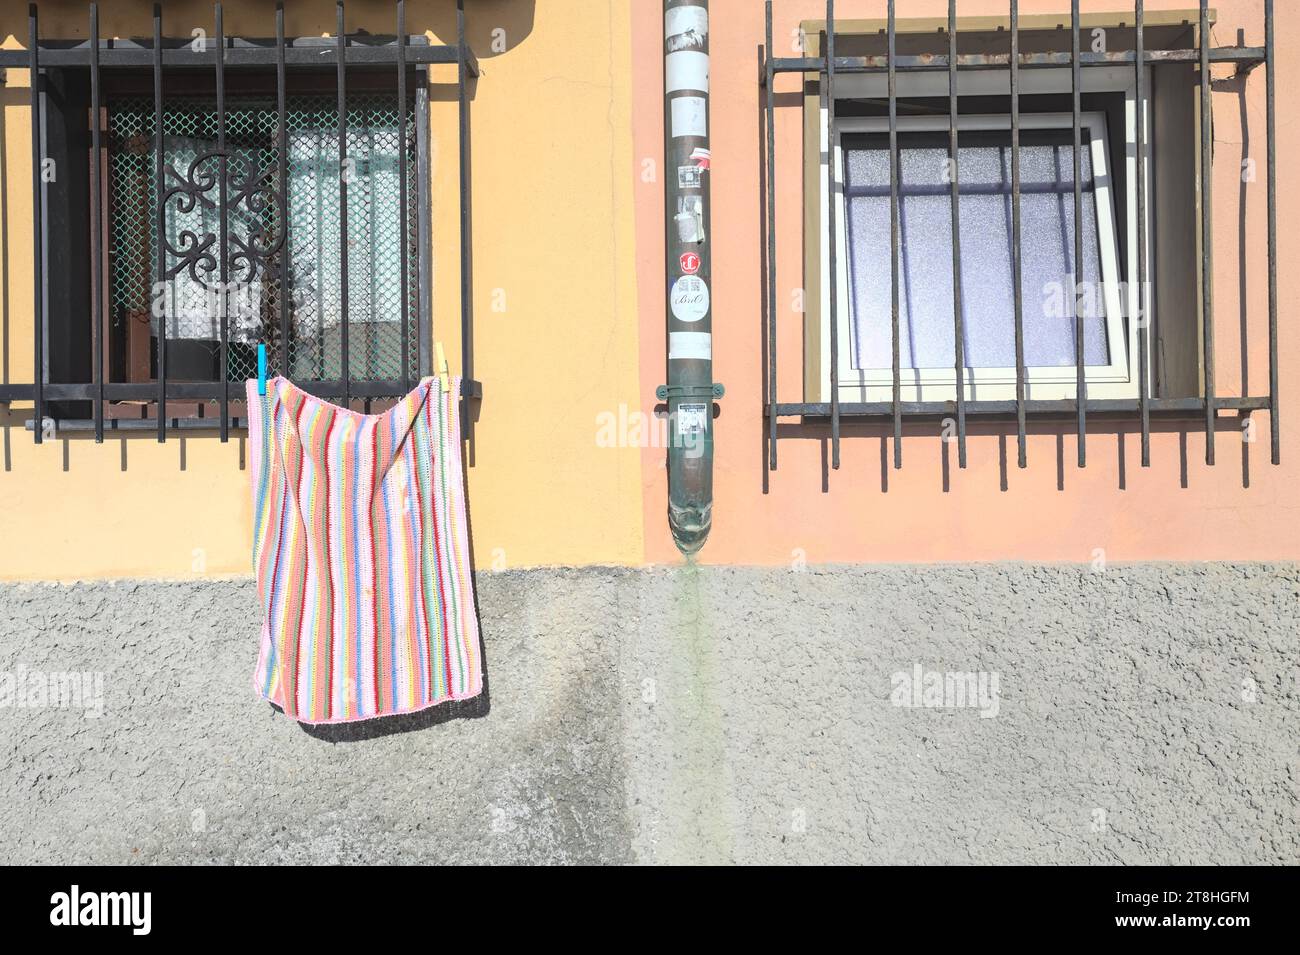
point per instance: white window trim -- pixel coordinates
(1119, 379)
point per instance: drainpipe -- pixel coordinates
(690, 390)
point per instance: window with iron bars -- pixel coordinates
(307, 260)
(1011, 222)
(197, 199)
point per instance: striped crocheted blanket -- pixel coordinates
(361, 555)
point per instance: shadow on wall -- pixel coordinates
(133, 18)
(492, 27)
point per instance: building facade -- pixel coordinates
(503, 203)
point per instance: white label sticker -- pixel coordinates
(685, 26)
(686, 70)
(692, 418)
(689, 177)
(689, 298)
(689, 116)
(690, 345)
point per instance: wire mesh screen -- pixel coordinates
(283, 244)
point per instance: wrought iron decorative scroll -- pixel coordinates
(257, 192)
(192, 251)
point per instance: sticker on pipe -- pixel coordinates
(689, 298)
(686, 28)
(692, 419)
(690, 346)
(686, 70)
(688, 116)
(690, 263)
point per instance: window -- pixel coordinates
(292, 238)
(1105, 293)
(172, 209)
(1144, 295)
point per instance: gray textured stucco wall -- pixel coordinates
(1145, 714)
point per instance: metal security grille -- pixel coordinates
(301, 189)
(308, 217)
(1205, 407)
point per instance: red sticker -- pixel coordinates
(690, 263)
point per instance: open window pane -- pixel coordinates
(925, 264)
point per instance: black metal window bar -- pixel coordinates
(164, 58)
(828, 66)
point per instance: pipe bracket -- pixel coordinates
(715, 390)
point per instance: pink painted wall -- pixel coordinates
(1178, 509)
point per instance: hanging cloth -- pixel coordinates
(361, 553)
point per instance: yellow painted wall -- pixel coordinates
(555, 301)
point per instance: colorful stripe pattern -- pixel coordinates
(361, 552)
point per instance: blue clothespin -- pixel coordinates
(261, 369)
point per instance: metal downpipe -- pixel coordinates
(690, 390)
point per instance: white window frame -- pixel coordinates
(1119, 378)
